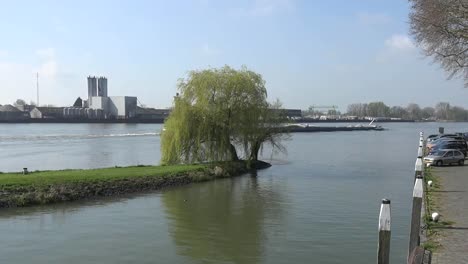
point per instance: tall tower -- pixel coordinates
(102, 86)
(37, 89)
(92, 87)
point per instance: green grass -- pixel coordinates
(433, 228)
(41, 178)
(430, 245)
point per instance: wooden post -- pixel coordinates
(418, 167)
(416, 215)
(441, 130)
(383, 252)
(427, 257)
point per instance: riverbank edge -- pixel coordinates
(431, 233)
(34, 194)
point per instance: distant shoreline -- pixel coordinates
(161, 121)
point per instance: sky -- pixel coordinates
(310, 52)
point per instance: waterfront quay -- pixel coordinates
(451, 202)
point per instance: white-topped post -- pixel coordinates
(416, 215)
(418, 166)
(383, 252)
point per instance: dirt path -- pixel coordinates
(452, 203)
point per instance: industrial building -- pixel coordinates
(147, 114)
(100, 106)
(9, 113)
(47, 112)
(113, 107)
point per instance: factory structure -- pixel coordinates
(97, 107)
(100, 105)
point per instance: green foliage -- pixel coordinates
(217, 111)
(442, 111)
(45, 178)
(431, 246)
(378, 109)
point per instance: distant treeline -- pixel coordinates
(441, 111)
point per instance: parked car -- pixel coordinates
(443, 136)
(445, 157)
(464, 135)
(458, 145)
(439, 141)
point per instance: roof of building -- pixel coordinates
(152, 111)
(50, 110)
(8, 108)
(78, 102)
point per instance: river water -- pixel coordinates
(319, 203)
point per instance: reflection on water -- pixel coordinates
(222, 221)
(318, 204)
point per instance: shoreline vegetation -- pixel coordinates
(45, 187)
(431, 202)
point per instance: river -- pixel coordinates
(319, 203)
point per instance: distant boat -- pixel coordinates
(376, 127)
(296, 128)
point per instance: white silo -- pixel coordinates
(89, 113)
(100, 114)
(102, 86)
(67, 112)
(92, 87)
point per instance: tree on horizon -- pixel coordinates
(440, 28)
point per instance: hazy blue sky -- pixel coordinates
(309, 52)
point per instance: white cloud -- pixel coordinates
(368, 18)
(399, 42)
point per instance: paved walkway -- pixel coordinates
(453, 206)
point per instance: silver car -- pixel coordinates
(445, 157)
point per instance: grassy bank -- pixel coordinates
(430, 201)
(44, 187)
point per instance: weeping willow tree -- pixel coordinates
(218, 111)
(267, 130)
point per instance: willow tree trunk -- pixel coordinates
(254, 151)
(234, 155)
